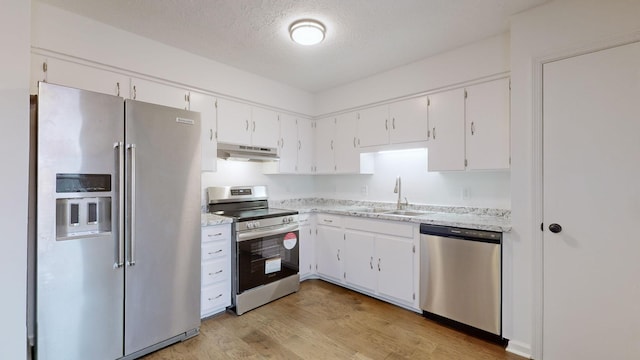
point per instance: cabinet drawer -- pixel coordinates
(215, 296)
(213, 271)
(215, 233)
(329, 220)
(214, 250)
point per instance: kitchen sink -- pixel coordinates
(407, 212)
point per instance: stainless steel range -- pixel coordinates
(265, 253)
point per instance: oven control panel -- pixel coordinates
(253, 224)
(288, 219)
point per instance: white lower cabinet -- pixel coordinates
(215, 269)
(307, 248)
(329, 247)
(376, 257)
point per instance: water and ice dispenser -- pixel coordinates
(81, 208)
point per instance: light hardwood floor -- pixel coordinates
(324, 321)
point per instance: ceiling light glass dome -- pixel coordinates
(307, 32)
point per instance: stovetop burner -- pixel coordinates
(244, 203)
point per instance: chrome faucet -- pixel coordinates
(398, 190)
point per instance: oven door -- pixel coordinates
(266, 255)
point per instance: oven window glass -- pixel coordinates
(267, 259)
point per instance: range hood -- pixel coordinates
(247, 153)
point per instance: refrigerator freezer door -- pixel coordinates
(163, 244)
(79, 291)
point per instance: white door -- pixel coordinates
(265, 130)
(234, 122)
(359, 260)
(206, 106)
(347, 157)
(325, 143)
(395, 267)
(373, 126)
(408, 120)
(591, 155)
(487, 125)
(306, 146)
(446, 120)
(329, 252)
(157, 93)
(288, 144)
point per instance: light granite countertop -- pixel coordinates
(207, 219)
(464, 217)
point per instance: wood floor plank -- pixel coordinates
(325, 321)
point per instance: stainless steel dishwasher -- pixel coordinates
(460, 279)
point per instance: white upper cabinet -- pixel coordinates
(206, 106)
(373, 126)
(488, 126)
(234, 121)
(78, 76)
(346, 152)
(306, 146)
(265, 128)
(446, 120)
(241, 124)
(470, 128)
(161, 94)
(408, 120)
(325, 134)
(288, 144)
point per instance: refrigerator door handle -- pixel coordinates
(120, 242)
(132, 215)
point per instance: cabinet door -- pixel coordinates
(325, 132)
(329, 252)
(288, 144)
(306, 145)
(83, 77)
(161, 94)
(265, 130)
(408, 120)
(446, 120)
(373, 126)
(206, 106)
(234, 120)
(394, 264)
(359, 260)
(487, 125)
(306, 251)
(347, 155)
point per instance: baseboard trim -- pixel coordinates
(519, 348)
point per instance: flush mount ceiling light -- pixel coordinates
(307, 32)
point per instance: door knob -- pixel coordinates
(555, 228)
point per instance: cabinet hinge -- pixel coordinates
(465, 93)
(44, 66)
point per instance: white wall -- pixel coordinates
(474, 61)
(280, 187)
(64, 32)
(558, 28)
(14, 152)
(475, 189)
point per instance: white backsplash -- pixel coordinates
(490, 189)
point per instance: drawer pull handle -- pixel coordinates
(216, 273)
(215, 252)
(328, 221)
(217, 297)
(215, 235)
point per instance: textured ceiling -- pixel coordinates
(364, 37)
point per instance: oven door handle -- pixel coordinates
(256, 234)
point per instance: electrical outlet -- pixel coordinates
(364, 190)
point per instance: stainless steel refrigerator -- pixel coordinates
(118, 225)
